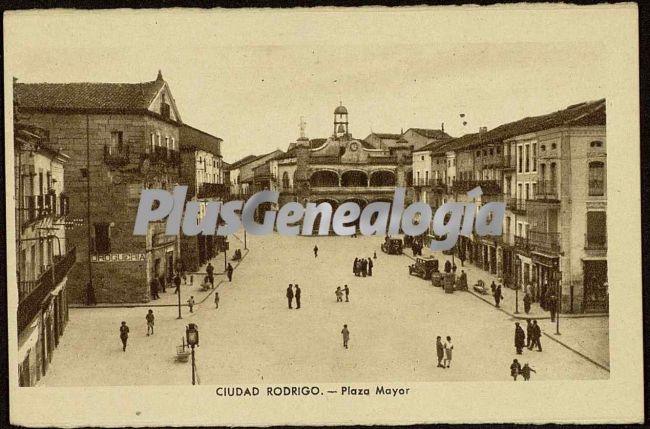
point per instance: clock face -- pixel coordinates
(354, 146)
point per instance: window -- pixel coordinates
(116, 141)
(491, 152)
(159, 142)
(426, 177)
(596, 144)
(153, 141)
(454, 162)
(527, 157)
(167, 142)
(534, 192)
(49, 180)
(534, 156)
(485, 153)
(478, 153)
(543, 148)
(596, 230)
(596, 178)
(102, 238)
(519, 160)
(554, 146)
(422, 158)
(173, 144)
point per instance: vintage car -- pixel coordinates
(392, 246)
(423, 267)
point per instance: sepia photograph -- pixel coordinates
(267, 211)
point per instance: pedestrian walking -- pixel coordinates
(515, 369)
(364, 267)
(150, 319)
(440, 351)
(154, 288)
(315, 251)
(297, 295)
(339, 294)
(529, 333)
(525, 372)
(448, 346)
(497, 296)
(290, 294)
(124, 335)
(163, 284)
(537, 333)
(177, 281)
(520, 338)
(210, 270)
(374, 255)
(552, 305)
(346, 336)
(527, 301)
(370, 265)
(493, 287)
(216, 299)
(355, 267)
(229, 271)
(190, 303)
(347, 293)
(447, 267)
(462, 259)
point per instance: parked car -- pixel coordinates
(392, 246)
(423, 267)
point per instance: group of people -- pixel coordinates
(443, 350)
(450, 268)
(339, 294)
(362, 267)
(291, 294)
(496, 293)
(516, 369)
(529, 339)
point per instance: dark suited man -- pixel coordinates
(297, 295)
(290, 295)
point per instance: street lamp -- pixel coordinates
(178, 289)
(517, 265)
(245, 248)
(558, 279)
(192, 336)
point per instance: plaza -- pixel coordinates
(253, 337)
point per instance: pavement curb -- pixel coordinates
(582, 355)
(136, 305)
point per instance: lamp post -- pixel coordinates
(179, 302)
(245, 248)
(192, 336)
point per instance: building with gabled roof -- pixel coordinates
(121, 138)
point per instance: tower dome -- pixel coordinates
(340, 110)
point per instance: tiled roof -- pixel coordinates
(243, 161)
(367, 145)
(431, 133)
(387, 136)
(582, 114)
(87, 96)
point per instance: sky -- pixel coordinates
(249, 76)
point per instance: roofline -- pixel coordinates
(201, 131)
(99, 111)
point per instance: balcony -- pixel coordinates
(548, 242)
(547, 190)
(213, 190)
(162, 155)
(516, 205)
(116, 156)
(419, 183)
(439, 186)
(596, 245)
(507, 162)
(32, 293)
(522, 243)
(488, 187)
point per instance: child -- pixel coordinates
(150, 319)
(515, 369)
(339, 294)
(347, 293)
(191, 303)
(525, 372)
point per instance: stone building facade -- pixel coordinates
(43, 255)
(121, 139)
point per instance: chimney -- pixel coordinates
(482, 130)
(442, 127)
(159, 75)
